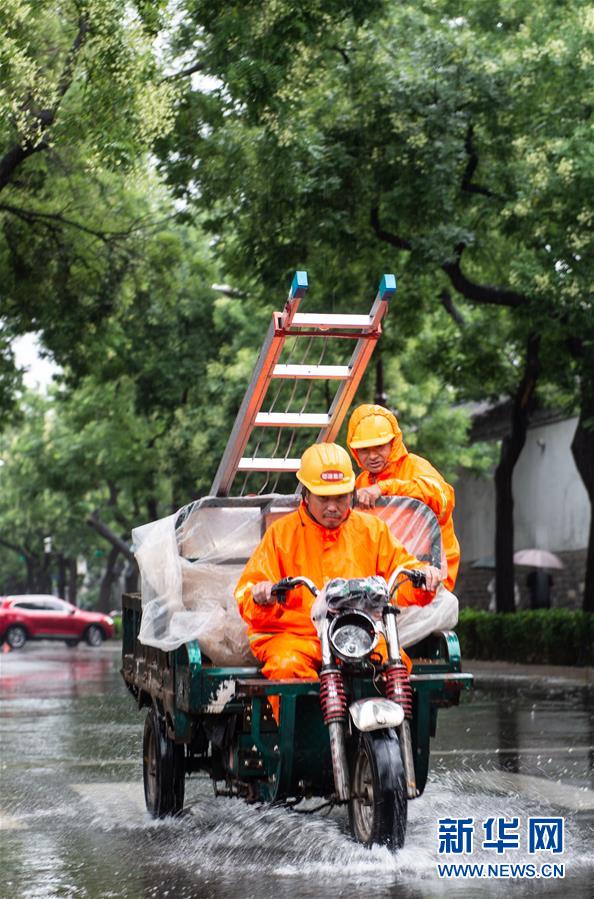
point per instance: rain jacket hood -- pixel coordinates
(368, 411)
(406, 474)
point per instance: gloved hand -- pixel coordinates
(262, 593)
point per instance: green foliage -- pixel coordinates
(543, 636)
(396, 141)
(81, 103)
(447, 143)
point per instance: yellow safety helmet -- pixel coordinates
(372, 430)
(326, 470)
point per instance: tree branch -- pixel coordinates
(15, 548)
(228, 291)
(197, 67)
(95, 522)
(17, 154)
(342, 52)
(31, 216)
(452, 310)
(479, 293)
(393, 239)
(471, 167)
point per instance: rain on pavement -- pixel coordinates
(74, 823)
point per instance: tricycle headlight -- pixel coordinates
(352, 635)
(108, 619)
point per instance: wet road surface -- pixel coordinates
(74, 824)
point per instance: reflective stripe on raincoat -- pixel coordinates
(406, 474)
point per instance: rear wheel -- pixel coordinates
(163, 769)
(378, 807)
(94, 635)
(72, 642)
(16, 636)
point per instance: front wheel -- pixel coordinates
(378, 805)
(163, 769)
(16, 636)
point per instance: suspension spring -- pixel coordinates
(332, 696)
(398, 687)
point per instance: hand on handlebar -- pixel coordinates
(367, 496)
(262, 593)
(426, 578)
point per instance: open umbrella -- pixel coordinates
(537, 558)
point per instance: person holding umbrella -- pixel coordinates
(539, 581)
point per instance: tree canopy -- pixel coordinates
(149, 150)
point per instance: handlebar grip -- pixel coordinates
(282, 587)
(417, 577)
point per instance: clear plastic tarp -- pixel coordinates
(190, 563)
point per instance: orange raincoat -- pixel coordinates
(408, 475)
(283, 637)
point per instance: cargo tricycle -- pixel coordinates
(358, 736)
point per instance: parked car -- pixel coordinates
(40, 617)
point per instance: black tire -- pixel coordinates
(72, 642)
(378, 807)
(163, 769)
(94, 635)
(16, 636)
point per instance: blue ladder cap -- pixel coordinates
(299, 285)
(387, 287)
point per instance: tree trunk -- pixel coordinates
(381, 398)
(61, 575)
(72, 580)
(112, 573)
(582, 448)
(511, 447)
(39, 579)
(31, 576)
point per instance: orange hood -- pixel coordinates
(368, 410)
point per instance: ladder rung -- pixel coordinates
(325, 372)
(292, 420)
(262, 464)
(313, 320)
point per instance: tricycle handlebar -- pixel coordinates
(415, 575)
(282, 587)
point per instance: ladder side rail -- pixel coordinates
(297, 291)
(361, 355)
(347, 390)
(258, 386)
(250, 406)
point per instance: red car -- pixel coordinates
(39, 617)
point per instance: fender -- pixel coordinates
(373, 714)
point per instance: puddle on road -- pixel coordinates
(225, 848)
(76, 826)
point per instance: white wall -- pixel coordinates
(551, 506)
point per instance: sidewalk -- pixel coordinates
(486, 670)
